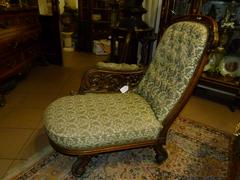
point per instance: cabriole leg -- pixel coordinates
(161, 154)
(79, 166)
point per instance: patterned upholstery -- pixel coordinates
(117, 66)
(101, 120)
(175, 61)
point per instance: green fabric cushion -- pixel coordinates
(173, 66)
(100, 120)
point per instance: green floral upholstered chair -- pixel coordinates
(90, 123)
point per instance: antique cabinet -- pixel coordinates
(95, 22)
(221, 78)
(19, 33)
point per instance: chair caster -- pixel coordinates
(161, 154)
(79, 166)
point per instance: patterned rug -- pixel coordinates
(196, 151)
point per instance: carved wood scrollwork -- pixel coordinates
(98, 80)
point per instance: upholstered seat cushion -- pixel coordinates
(118, 67)
(100, 120)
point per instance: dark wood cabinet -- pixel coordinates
(19, 45)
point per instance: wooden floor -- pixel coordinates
(21, 130)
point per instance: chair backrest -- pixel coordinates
(176, 66)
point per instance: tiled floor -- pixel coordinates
(21, 130)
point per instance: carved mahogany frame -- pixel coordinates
(100, 84)
(103, 80)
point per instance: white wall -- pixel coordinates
(152, 17)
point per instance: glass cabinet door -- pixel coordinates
(227, 15)
(222, 73)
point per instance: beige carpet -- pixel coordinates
(196, 151)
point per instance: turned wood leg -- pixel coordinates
(79, 166)
(2, 100)
(161, 153)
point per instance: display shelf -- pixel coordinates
(222, 83)
(219, 79)
(225, 88)
(95, 22)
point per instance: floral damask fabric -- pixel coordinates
(175, 61)
(100, 120)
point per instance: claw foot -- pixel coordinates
(79, 166)
(161, 154)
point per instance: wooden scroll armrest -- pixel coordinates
(102, 80)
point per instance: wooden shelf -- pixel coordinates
(100, 22)
(219, 88)
(226, 85)
(93, 29)
(219, 79)
(101, 9)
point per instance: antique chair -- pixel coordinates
(91, 123)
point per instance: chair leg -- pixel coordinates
(161, 153)
(79, 166)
